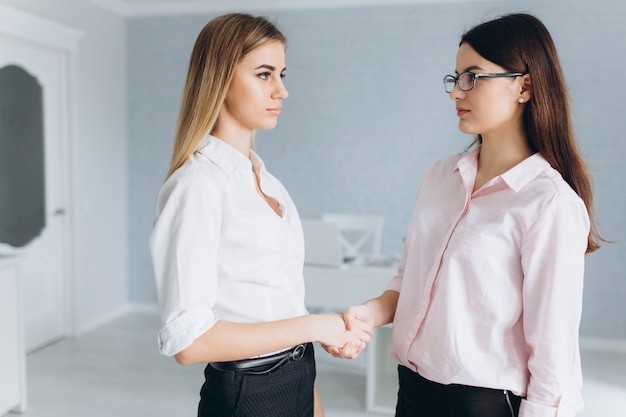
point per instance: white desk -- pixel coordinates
(334, 289)
(12, 353)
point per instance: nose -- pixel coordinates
(280, 91)
(456, 92)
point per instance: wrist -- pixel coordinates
(315, 326)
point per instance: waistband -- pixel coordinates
(262, 365)
(458, 392)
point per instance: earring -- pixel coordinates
(521, 100)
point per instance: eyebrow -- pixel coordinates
(468, 69)
(269, 67)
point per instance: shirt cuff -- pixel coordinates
(184, 329)
(530, 409)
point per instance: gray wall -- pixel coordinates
(367, 115)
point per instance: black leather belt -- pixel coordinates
(262, 365)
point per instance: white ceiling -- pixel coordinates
(166, 7)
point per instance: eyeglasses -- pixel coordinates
(467, 80)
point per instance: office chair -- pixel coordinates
(359, 235)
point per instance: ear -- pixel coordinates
(526, 89)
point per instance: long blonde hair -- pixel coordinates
(220, 46)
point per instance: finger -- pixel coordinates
(361, 335)
(333, 350)
(354, 353)
(359, 318)
(345, 351)
(360, 346)
(354, 349)
(361, 326)
(351, 316)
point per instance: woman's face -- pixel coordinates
(492, 108)
(255, 96)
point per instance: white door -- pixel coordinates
(43, 249)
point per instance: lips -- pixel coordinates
(275, 110)
(460, 111)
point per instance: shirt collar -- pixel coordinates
(257, 163)
(227, 158)
(517, 177)
(524, 172)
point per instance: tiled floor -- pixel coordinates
(115, 371)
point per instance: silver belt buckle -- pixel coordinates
(298, 352)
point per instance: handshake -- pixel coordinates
(351, 331)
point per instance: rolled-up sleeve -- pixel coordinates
(184, 246)
(553, 256)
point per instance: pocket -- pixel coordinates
(219, 393)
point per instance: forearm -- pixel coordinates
(383, 307)
(227, 341)
(372, 313)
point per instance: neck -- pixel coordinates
(498, 156)
(240, 139)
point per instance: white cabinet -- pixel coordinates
(12, 354)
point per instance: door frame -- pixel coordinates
(49, 34)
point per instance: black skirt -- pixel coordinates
(286, 391)
(419, 397)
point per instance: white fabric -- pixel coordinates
(219, 251)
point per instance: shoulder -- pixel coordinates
(446, 165)
(196, 179)
(549, 185)
(451, 161)
(553, 196)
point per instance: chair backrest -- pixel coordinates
(357, 233)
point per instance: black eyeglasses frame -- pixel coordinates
(475, 77)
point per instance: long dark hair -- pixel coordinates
(521, 43)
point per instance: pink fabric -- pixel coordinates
(491, 283)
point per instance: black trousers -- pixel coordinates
(284, 392)
(419, 397)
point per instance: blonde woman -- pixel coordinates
(227, 244)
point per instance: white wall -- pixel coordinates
(100, 147)
(367, 115)
(99, 156)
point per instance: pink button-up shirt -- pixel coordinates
(491, 283)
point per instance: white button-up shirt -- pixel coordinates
(491, 283)
(219, 251)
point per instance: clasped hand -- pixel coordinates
(358, 320)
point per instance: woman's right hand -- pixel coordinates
(375, 312)
(356, 318)
(344, 337)
(335, 332)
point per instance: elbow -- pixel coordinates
(184, 357)
(199, 351)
